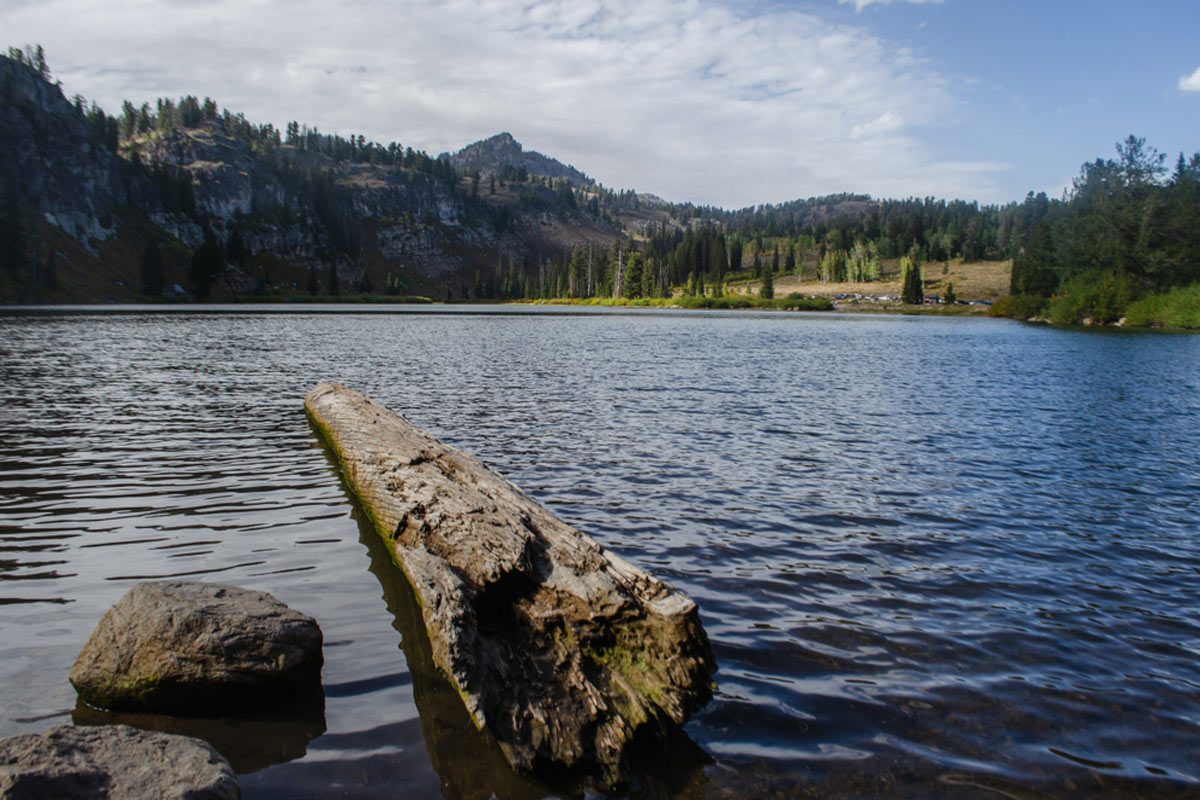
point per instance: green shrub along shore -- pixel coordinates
(792, 302)
(1122, 247)
(1106, 298)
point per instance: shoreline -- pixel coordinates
(329, 306)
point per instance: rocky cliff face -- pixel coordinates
(282, 215)
(56, 162)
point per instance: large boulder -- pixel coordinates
(114, 761)
(559, 647)
(186, 647)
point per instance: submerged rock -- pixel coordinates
(186, 646)
(114, 761)
(560, 648)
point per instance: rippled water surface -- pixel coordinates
(935, 557)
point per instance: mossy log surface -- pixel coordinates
(560, 648)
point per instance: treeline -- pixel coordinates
(1127, 231)
(168, 116)
(939, 229)
(620, 271)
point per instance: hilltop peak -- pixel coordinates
(502, 138)
(493, 155)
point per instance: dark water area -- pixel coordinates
(935, 557)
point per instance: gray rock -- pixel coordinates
(559, 647)
(114, 761)
(185, 646)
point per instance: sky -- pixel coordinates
(709, 101)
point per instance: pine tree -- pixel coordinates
(913, 291)
(735, 255)
(152, 270)
(951, 298)
(12, 236)
(40, 64)
(331, 280)
(631, 283)
(767, 289)
(51, 270)
(236, 249)
(718, 260)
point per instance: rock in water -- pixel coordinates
(113, 761)
(186, 646)
(559, 647)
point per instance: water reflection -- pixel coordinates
(469, 761)
(250, 741)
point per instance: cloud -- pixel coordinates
(1190, 83)
(689, 99)
(883, 124)
(859, 5)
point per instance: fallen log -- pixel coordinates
(560, 648)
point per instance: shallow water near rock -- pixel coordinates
(935, 557)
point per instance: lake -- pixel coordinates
(935, 557)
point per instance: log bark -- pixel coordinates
(559, 647)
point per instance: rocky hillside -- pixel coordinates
(233, 209)
(185, 201)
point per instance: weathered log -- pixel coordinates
(559, 647)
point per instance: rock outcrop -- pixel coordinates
(186, 647)
(560, 648)
(490, 156)
(113, 761)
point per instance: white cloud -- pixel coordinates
(1190, 83)
(859, 5)
(688, 99)
(883, 124)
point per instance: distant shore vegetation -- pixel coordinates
(792, 302)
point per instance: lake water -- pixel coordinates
(935, 557)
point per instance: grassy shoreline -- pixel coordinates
(1090, 301)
